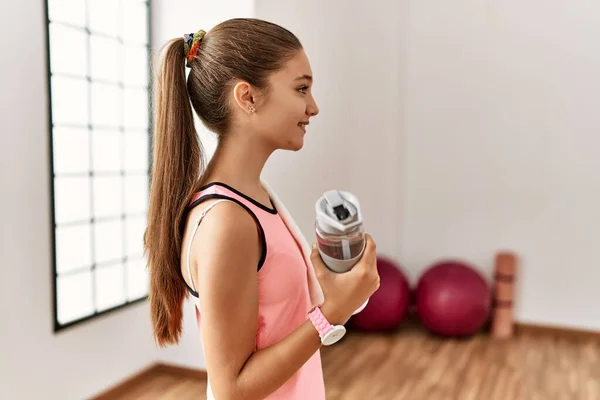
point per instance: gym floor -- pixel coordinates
(412, 365)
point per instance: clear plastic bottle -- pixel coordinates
(340, 250)
(339, 231)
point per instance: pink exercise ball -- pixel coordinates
(453, 299)
(388, 306)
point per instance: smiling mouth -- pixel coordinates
(302, 125)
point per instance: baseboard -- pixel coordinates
(127, 384)
(148, 373)
(556, 330)
(181, 371)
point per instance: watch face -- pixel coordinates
(334, 335)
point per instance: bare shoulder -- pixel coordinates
(225, 253)
(228, 234)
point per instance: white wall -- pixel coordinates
(465, 128)
(502, 146)
(83, 360)
(35, 363)
(352, 144)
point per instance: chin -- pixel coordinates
(292, 141)
(292, 145)
(296, 146)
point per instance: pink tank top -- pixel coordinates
(283, 290)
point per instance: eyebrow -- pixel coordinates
(307, 77)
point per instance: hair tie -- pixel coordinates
(191, 42)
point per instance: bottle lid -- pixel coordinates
(338, 211)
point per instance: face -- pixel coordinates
(282, 117)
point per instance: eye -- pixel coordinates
(303, 89)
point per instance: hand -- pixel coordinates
(346, 292)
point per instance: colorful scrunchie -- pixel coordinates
(191, 42)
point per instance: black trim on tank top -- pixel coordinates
(263, 238)
(271, 210)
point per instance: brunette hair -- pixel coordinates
(238, 49)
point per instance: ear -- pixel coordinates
(244, 95)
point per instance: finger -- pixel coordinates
(315, 258)
(371, 252)
(370, 246)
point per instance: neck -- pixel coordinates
(239, 161)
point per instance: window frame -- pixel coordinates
(57, 326)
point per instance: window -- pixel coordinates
(98, 64)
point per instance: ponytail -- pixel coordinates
(178, 160)
(241, 48)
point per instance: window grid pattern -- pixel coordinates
(99, 88)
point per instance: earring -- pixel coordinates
(251, 109)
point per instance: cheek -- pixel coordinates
(295, 111)
(287, 113)
(281, 115)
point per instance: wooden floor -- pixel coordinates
(412, 365)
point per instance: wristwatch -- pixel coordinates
(329, 334)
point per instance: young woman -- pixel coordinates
(265, 304)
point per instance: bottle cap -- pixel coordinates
(338, 212)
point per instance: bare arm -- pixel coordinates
(229, 247)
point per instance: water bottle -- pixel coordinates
(339, 230)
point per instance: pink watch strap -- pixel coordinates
(319, 321)
(329, 334)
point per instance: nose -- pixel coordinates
(312, 109)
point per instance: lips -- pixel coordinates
(303, 125)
